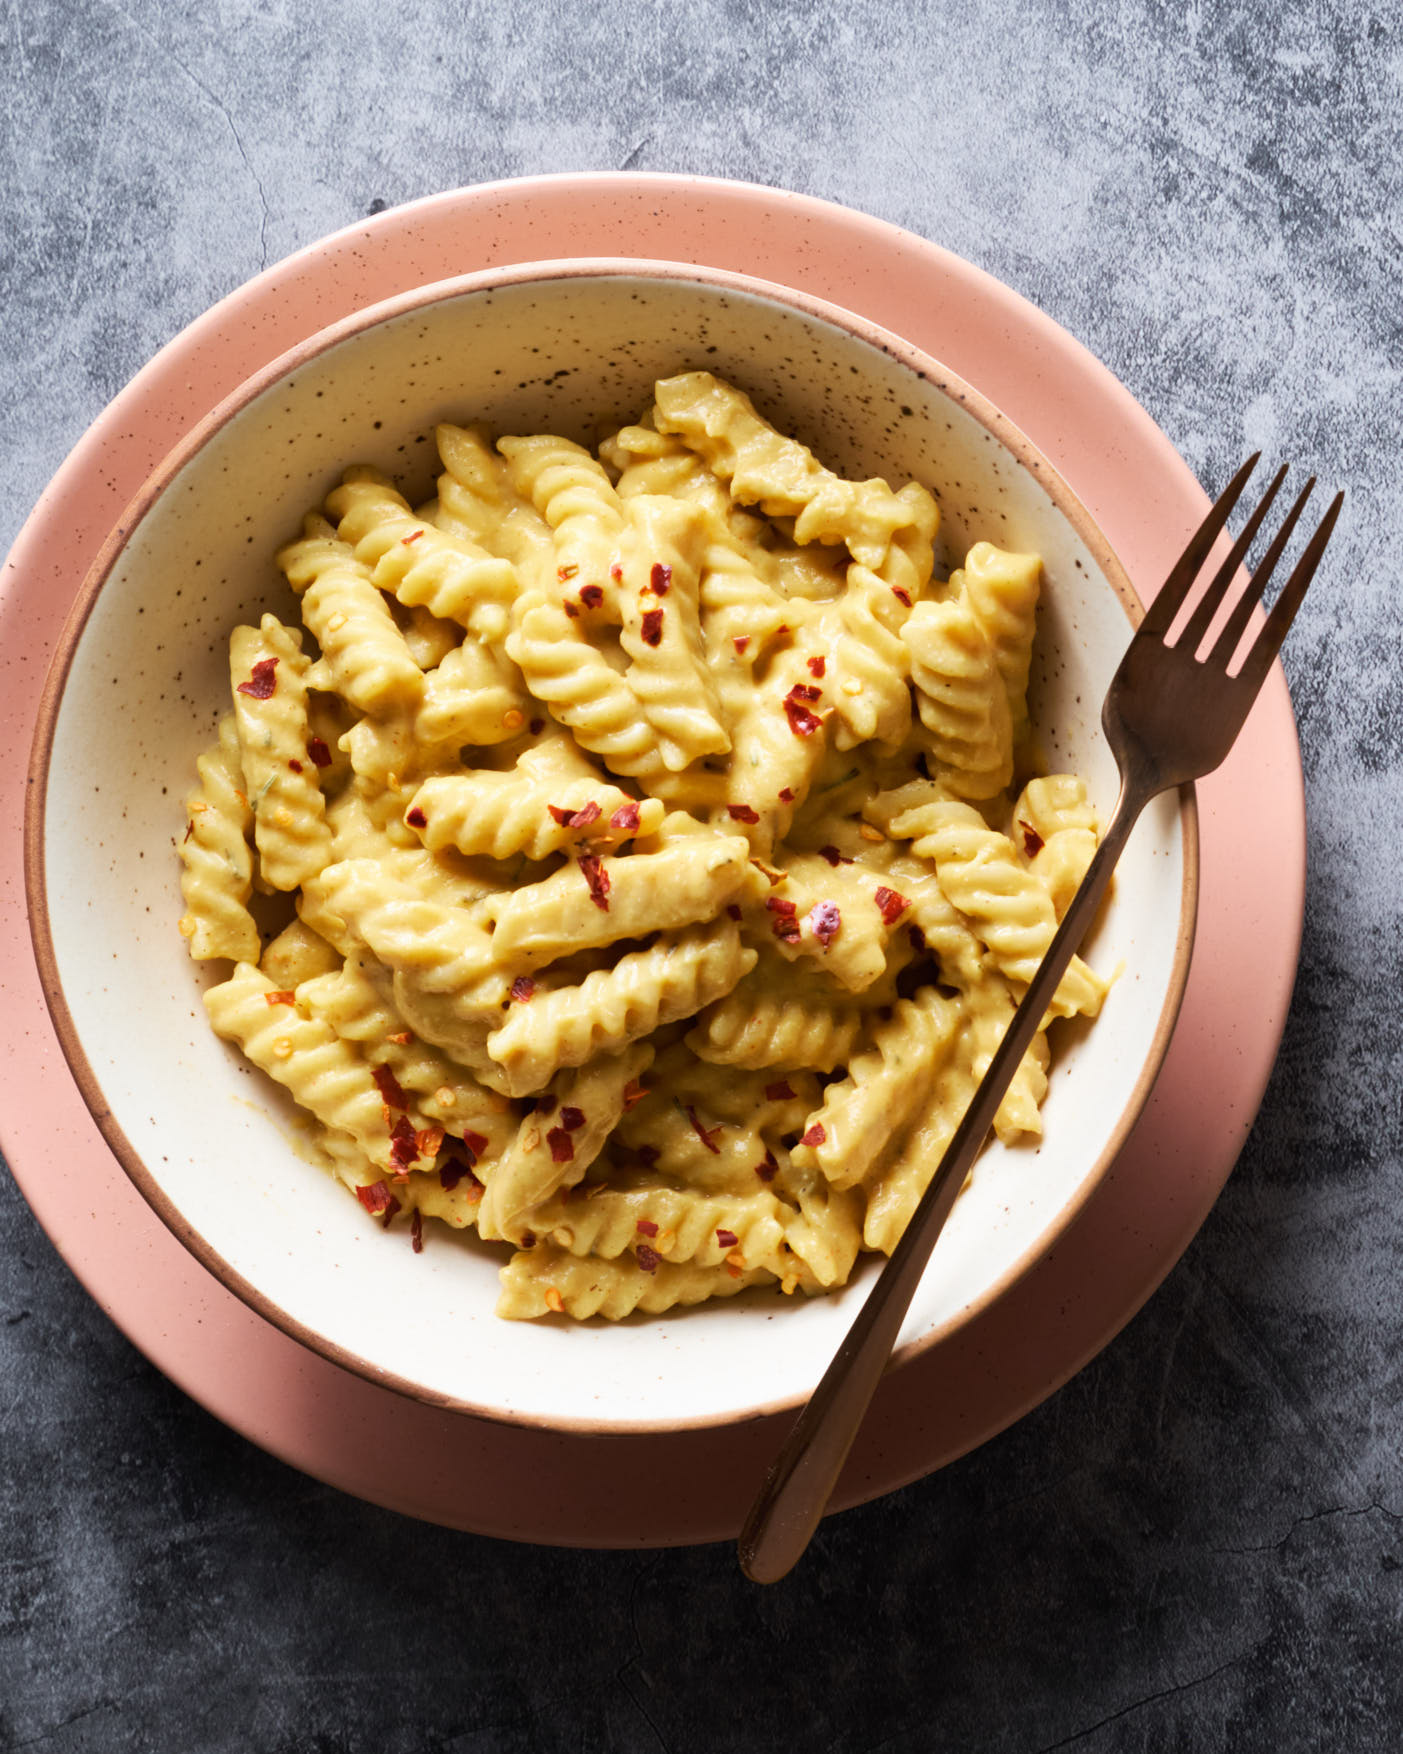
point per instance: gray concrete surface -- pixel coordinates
(1210, 199)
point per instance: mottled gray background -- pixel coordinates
(1211, 201)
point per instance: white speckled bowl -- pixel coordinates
(140, 678)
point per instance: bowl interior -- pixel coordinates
(210, 1141)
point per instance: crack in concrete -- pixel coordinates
(1315, 1516)
(1136, 1704)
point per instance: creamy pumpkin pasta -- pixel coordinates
(657, 862)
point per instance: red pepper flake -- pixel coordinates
(802, 722)
(633, 1093)
(917, 937)
(767, 1169)
(474, 1144)
(389, 1087)
(625, 818)
(817, 666)
(1033, 842)
(785, 925)
(415, 817)
(777, 904)
(598, 880)
(652, 629)
(727, 1238)
(732, 911)
(376, 1198)
(571, 609)
(260, 684)
(389, 1213)
(591, 596)
(647, 1226)
(890, 905)
(804, 691)
(562, 1147)
(561, 813)
(564, 573)
(282, 997)
(416, 1232)
(616, 572)
(404, 1144)
(452, 1172)
(742, 813)
(320, 754)
(780, 1092)
(582, 818)
(740, 642)
(901, 595)
(816, 1135)
(405, 541)
(831, 853)
(572, 1119)
(429, 1140)
(536, 727)
(825, 921)
(660, 578)
(189, 830)
(786, 795)
(523, 989)
(295, 765)
(708, 1136)
(647, 1258)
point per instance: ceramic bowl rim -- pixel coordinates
(998, 425)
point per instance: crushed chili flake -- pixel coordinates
(561, 813)
(554, 1301)
(652, 629)
(404, 1143)
(452, 1172)
(816, 1135)
(802, 722)
(727, 1238)
(732, 911)
(902, 596)
(572, 1119)
(588, 813)
(633, 1093)
(374, 1198)
(598, 880)
(787, 930)
(474, 1144)
(742, 813)
(786, 795)
(389, 1212)
(429, 1140)
(261, 683)
(890, 905)
(189, 829)
(295, 765)
(707, 1135)
(416, 1232)
(740, 642)
(917, 937)
(1033, 842)
(647, 1226)
(402, 1038)
(767, 1169)
(389, 1087)
(282, 997)
(825, 921)
(817, 666)
(571, 609)
(317, 749)
(779, 1092)
(647, 1258)
(415, 817)
(414, 536)
(832, 854)
(625, 817)
(804, 691)
(778, 904)
(523, 989)
(591, 596)
(562, 1147)
(660, 578)
(616, 572)
(564, 573)
(536, 727)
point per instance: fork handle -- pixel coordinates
(801, 1480)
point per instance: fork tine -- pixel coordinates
(1226, 643)
(1211, 600)
(1268, 641)
(1176, 587)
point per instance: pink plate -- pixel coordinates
(693, 1486)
